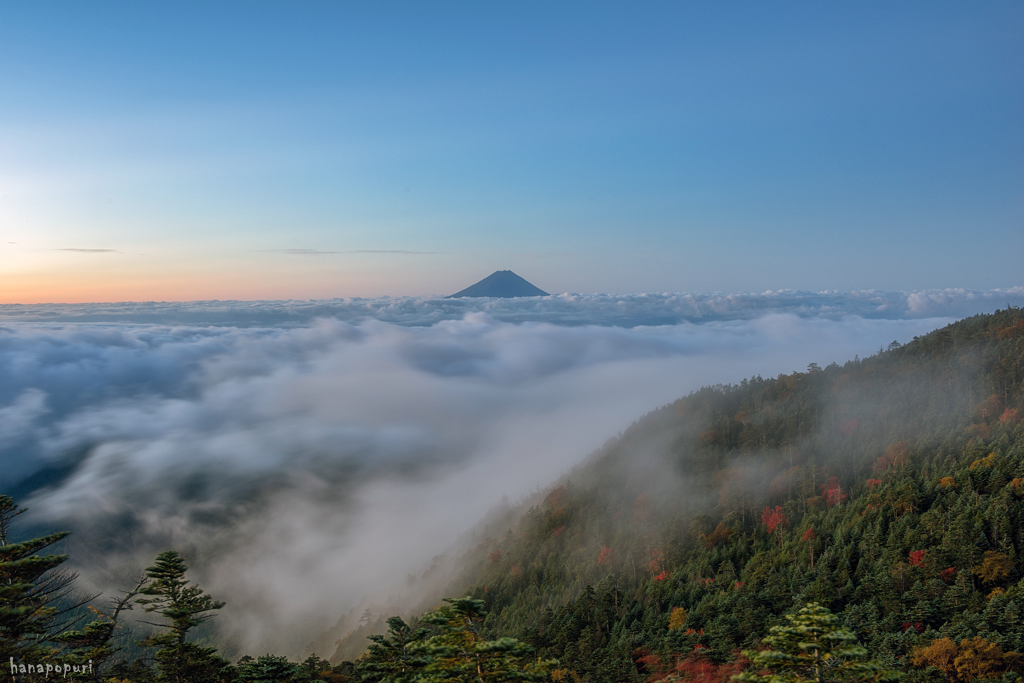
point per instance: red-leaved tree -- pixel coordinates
(832, 492)
(774, 518)
(695, 667)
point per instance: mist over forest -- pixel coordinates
(742, 398)
(305, 467)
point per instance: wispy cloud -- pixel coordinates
(303, 252)
(318, 252)
(390, 251)
(90, 251)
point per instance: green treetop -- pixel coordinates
(459, 653)
(391, 658)
(812, 647)
(456, 653)
(184, 606)
(30, 591)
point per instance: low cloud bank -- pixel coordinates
(626, 310)
(302, 468)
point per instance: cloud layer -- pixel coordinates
(303, 467)
(626, 310)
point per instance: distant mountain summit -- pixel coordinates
(502, 283)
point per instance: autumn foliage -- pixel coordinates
(677, 619)
(832, 492)
(774, 518)
(988, 461)
(988, 408)
(896, 455)
(994, 567)
(721, 534)
(972, 659)
(1010, 416)
(694, 667)
(940, 653)
(556, 499)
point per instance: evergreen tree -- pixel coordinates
(390, 658)
(185, 607)
(30, 592)
(274, 669)
(131, 671)
(313, 667)
(455, 653)
(459, 653)
(812, 647)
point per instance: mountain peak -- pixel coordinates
(502, 284)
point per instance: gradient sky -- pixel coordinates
(256, 150)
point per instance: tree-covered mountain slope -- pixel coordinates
(887, 489)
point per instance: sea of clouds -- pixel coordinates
(306, 454)
(624, 310)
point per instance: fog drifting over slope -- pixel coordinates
(303, 466)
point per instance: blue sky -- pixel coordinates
(309, 150)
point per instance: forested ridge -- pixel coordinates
(887, 489)
(883, 496)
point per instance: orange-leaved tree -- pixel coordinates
(973, 659)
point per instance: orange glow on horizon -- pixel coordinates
(225, 287)
(239, 284)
